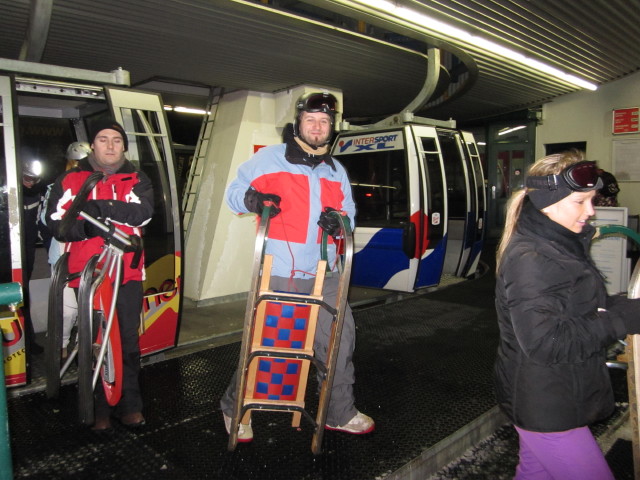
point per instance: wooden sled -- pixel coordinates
(277, 341)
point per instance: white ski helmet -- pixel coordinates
(78, 150)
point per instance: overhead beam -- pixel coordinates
(430, 82)
(37, 31)
(391, 24)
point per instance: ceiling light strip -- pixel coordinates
(431, 24)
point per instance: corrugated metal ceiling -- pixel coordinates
(270, 47)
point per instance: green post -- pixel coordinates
(11, 295)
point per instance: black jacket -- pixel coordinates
(552, 305)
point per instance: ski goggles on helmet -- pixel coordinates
(318, 102)
(579, 177)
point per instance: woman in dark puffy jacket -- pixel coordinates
(556, 322)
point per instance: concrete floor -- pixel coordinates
(222, 323)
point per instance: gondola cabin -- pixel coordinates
(421, 205)
(44, 108)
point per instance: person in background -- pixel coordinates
(303, 180)
(607, 196)
(556, 322)
(76, 151)
(124, 197)
(32, 194)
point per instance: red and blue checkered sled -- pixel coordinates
(285, 327)
(277, 341)
(282, 328)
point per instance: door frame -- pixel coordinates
(524, 140)
(162, 305)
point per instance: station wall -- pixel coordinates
(588, 116)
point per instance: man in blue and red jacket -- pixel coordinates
(302, 179)
(124, 198)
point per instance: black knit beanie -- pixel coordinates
(110, 124)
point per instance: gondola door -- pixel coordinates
(431, 223)
(143, 118)
(462, 201)
(11, 237)
(478, 216)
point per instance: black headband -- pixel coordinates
(551, 189)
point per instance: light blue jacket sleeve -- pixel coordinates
(348, 204)
(43, 211)
(247, 172)
(236, 190)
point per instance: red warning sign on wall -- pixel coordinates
(625, 120)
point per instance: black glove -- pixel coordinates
(329, 223)
(90, 230)
(94, 209)
(628, 310)
(254, 201)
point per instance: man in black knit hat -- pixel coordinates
(124, 197)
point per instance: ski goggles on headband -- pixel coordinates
(579, 177)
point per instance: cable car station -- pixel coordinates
(414, 263)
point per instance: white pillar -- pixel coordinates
(219, 249)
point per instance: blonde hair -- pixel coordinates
(71, 164)
(549, 165)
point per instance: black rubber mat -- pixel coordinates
(620, 459)
(423, 369)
